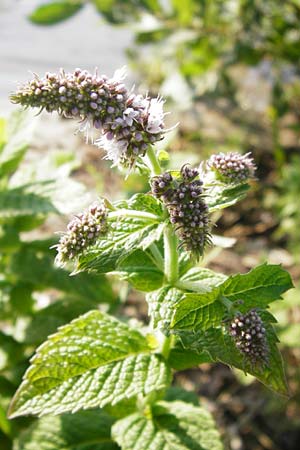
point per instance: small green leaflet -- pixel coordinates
(127, 235)
(220, 196)
(55, 11)
(172, 425)
(85, 430)
(91, 362)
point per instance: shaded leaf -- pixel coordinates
(174, 425)
(85, 430)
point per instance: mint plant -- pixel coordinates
(120, 373)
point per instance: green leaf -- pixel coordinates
(220, 346)
(34, 265)
(85, 430)
(220, 196)
(162, 304)
(91, 362)
(198, 311)
(257, 288)
(139, 270)
(127, 235)
(18, 202)
(201, 280)
(173, 425)
(19, 130)
(55, 12)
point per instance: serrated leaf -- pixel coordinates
(220, 196)
(91, 362)
(162, 304)
(19, 126)
(139, 270)
(198, 311)
(127, 235)
(55, 12)
(201, 280)
(173, 425)
(257, 288)
(221, 347)
(85, 430)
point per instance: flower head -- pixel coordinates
(249, 336)
(184, 199)
(130, 122)
(232, 167)
(82, 231)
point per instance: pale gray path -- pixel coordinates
(83, 41)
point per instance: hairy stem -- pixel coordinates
(153, 162)
(159, 261)
(171, 255)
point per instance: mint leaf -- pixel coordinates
(173, 425)
(140, 271)
(93, 361)
(127, 234)
(201, 280)
(257, 288)
(216, 343)
(85, 430)
(198, 311)
(162, 304)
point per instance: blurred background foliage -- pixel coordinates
(230, 72)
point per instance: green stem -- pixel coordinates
(153, 162)
(171, 255)
(166, 343)
(133, 213)
(159, 261)
(226, 302)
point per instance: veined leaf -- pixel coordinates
(201, 280)
(91, 362)
(127, 235)
(55, 11)
(198, 311)
(257, 288)
(85, 430)
(173, 425)
(162, 304)
(220, 346)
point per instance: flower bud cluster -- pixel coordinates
(184, 199)
(82, 231)
(249, 335)
(129, 123)
(232, 167)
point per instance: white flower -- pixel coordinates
(155, 116)
(129, 115)
(114, 149)
(120, 74)
(140, 102)
(87, 128)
